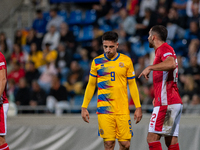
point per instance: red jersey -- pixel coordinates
(3, 65)
(165, 82)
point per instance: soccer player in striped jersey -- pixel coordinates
(167, 102)
(111, 72)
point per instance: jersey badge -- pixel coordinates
(101, 131)
(121, 64)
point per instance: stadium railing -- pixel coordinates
(92, 109)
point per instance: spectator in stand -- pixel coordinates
(55, 21)
(18, 37)
(17, 54)
(39, 24)
(11, 90)
(145, 23)
(180, 5)
(147, 4)
(52, 37)
(132, 7)
(193, 48)
(48, 54)
(31, 38)
(5, 51)
(57, 99)
(23, 93)
(95, 49)
(162, 17)
(37, 95)
(165, 3)
(63, 61)
(36, 56)
(84, 61)
(195, 12)
(31, 73)
(181, 70)
(193, 32)
(194, 105)
(190, 87)
(194, 69)
(140, 66)
(74, 84)
(117, 5)
(17, 72)
(175, 18)
(191, 5)
(66, 36)
(45, 78)
(126, 22)
(7, 42)
(102, 8)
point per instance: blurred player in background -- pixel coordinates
(3, 103)
(110, 72)
(167, 102)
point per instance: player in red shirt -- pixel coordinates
(3, 103)
(167, 102)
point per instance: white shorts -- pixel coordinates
(3, 117)
(165, 120)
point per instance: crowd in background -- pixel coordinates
(49, 64)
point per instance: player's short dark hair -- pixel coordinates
(110, 36)
(161, 32)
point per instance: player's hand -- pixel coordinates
(138, 115)
(153, 102)
(85, 114)
(145, 73)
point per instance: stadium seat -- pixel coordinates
(47, 16)
(75, 17)
(105, 28)
(138, 49)
(90, 17)
(75, 29)
(63, 14)
(86, 34)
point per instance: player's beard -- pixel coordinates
(150, 44)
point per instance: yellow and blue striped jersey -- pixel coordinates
(112, 76)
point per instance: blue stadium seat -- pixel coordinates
(105, 28)
(63, 14)
(75, 17)
(75, 29)
(86, 34)
(47, 16)
(90, 17)
(138, 49)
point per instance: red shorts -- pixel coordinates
(3, 117)
(165, 120)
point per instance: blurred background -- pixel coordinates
(49, 46)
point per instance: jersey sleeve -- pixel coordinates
(93, 70)
(164, 53)
(2, 62)
(130, 71)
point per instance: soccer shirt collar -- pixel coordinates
(113, 58)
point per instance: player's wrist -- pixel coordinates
(83, 108)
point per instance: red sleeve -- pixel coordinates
(2, 62)
(166, 52)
